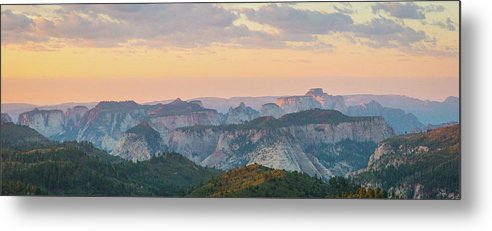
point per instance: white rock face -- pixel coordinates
(382, 150)
(139, 143)
(132, 147)
(135, 148)
(47, 122)
(105, 124)
(281, 148)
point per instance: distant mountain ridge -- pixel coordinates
(399, 120)
(427, 111)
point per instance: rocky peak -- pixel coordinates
(241, 114)
(177, 101)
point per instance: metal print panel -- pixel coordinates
(258, 100)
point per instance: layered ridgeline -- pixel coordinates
(33, 165)
(318, 142)
(417, 166)
(105, 124)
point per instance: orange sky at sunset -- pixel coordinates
(86, 53)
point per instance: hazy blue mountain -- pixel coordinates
(15, 109)
(400, 121)
(427, 111)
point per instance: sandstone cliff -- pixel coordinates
(290, 143)
(50, 123)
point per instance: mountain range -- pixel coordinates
(319, 135)
(426, 111)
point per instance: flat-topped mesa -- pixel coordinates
(315, 92)
(119, 105)
(49, 123)
(314, 98)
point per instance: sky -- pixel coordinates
(145, 52)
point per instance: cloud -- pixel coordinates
(105, 25)
(383, 32)
(400, 10)
(447, 25)
(303, 25)
(17, 28)
(434, 8)
(201, 25)
(292, 20)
